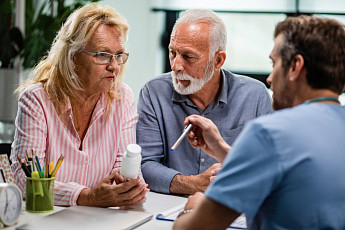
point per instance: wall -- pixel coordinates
(144, 45)
(145, 60)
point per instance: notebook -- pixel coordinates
(81, 217)
(171, 215)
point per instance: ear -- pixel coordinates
(297, 69)
(219, 59)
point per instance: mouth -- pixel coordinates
(110, 78)
(185, 83)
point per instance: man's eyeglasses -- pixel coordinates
(106, 58)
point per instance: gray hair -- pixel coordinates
(217, 26)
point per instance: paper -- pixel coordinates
(171, 215)
(84, 218)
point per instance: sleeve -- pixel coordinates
(150, 139)
(128, 126)
(250, 172)
(30, 134)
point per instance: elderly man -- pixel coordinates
(196, 85)
(284, 170)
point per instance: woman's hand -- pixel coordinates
(106, 194)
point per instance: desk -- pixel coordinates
(155, 204)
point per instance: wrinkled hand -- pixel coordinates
(106, 194)
(205, 135)
(203, 179)
(214, 173)
(194, 200)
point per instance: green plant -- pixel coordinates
(11, 38)
(42, 24)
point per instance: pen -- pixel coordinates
(46, 167)
(51, 167)
(58, 164)
(29, 161)
(33, 165)
(38, 163)
(185, 131)
(25, 169)
(37, 185)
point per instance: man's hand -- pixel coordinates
(204, 178)
(182, 184)
(194, 200)
(205, 135)
(106, 194)
(206, 214)
(214, 173)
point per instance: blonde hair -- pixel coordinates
(56, 70)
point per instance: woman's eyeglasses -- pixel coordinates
(106, 58)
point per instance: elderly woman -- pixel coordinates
(77, 105)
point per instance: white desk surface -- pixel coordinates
(155, 204)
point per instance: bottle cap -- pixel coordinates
(133, 150)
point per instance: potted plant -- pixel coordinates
(11, 38)
(42, 24)
(11, 44)
(43, 18)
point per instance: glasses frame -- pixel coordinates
(111, 56)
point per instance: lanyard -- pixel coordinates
(322, 99)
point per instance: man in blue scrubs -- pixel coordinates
(196, 85)
(285, 170)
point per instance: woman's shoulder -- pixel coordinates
(126, 93)
(33, 89)
(34, 97)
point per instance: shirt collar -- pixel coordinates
(68, 108)
(222, 97)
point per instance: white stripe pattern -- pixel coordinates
(39, 127)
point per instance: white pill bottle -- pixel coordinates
(131, 162)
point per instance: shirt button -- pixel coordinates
(85, 162)
(202, 160)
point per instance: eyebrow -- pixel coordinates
(190, 53)
(107, 50)
(184, 52)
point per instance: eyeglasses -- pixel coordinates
(106, 58)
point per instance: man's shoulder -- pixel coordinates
(285, 119)
(164, 79)
(158, 87)
(242, 80)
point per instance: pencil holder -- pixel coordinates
(40, 194)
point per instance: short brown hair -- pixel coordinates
(321, 42)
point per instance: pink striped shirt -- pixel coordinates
(39, 127)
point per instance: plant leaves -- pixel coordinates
(42, 28)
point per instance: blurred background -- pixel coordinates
(27, 28)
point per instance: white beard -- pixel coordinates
(195, 84)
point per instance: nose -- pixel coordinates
(177, 63)
(269, 79)
(113, 66)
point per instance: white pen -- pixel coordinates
(185, 131)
